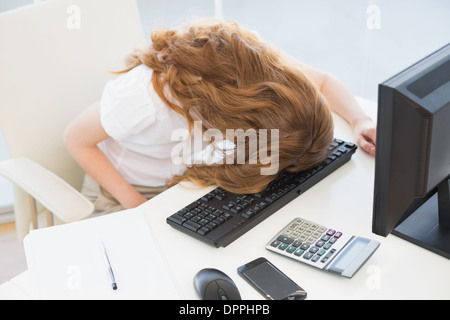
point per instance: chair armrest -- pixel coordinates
(47, 188)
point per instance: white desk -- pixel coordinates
(343, 200)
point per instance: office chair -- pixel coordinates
(54, 62)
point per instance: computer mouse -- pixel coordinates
(213, 284)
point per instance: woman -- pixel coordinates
(225, 77)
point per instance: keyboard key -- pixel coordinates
(219, 220)
(248, 214)
(193, 205)
(189, 215)
(226, 216)
(212, 225)
(191, 225)
(177, 219)
(207, 197)
(203, 231)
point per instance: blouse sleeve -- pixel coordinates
(125, 106)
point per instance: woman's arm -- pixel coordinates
(343, 103)
(81, 138)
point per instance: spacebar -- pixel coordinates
(191, 225)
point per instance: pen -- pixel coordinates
(108, 266)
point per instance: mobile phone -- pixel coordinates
(268, 280)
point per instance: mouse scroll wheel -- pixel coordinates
(222, 294)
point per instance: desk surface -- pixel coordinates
(343, 200)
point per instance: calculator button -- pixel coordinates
(293, 226)
(329, 254)
(302, 238)
(316, 234)
(320, 243)
(305, 246)
(299, 252)
(296, 234)
(307, 255)
(296, 243)
(322, 229)
(282, 246)
(338, 234)
(327, 246)
(313, 249)
(290, 249)
(275, 243)
(330, 232)
(301, 229)
(285, 239)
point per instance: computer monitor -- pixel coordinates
(412, 162)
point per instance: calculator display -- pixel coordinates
(353, 256)
(351, 252)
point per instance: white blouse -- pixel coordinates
(140, 125)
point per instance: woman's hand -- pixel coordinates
(81, 137)
(365, 131)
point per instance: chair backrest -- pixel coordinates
(54, 62)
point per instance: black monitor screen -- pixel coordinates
(412, 164)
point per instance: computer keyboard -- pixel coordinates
(220, 217)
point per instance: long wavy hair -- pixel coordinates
(227, 77)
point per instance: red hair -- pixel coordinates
(224, 75)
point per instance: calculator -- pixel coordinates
(321, 247)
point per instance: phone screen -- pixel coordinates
(270, 281)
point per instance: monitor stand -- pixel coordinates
(428, 226)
